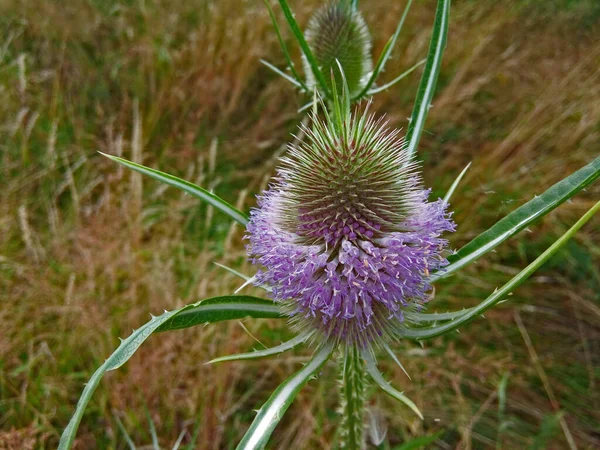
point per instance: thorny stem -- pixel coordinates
(352, 399)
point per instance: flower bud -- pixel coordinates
(338, 31)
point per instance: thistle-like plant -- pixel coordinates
(336, 32)
(347, 246)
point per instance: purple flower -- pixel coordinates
(345, 236)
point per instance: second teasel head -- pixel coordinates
(338, 31)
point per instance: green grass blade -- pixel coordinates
(275, 407)
(125, 433)
(280, 73)
(455, 184)
(211, 310)
(197, 425)
(521, 218)
(288, 345)
(430, 76)
(379, 89)
(386, 386)
(286, 53)
(153, 434)
(185, 186)
(385, 55)
(308, 54)
(504, 291)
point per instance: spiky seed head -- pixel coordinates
(338, 31)
(345, 236)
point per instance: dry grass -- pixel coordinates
(88, 250)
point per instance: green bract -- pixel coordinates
(337, 32)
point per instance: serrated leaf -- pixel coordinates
(185, 186)
(275, 407)
(504, 291)
(429, 78)
(434, 317)
(211, 310)
(520, 218)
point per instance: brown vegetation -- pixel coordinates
(89, 250)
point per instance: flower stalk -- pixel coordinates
(352, 399)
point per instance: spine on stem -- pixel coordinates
(352, 399)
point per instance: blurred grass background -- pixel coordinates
(89, 250)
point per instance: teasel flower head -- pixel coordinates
(338, 31)
(346, 236)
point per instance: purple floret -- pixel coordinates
(345, 237)
(358, 290)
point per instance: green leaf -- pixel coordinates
(430, 75)
(290, 63)
(275, 407)
(521, 217)
(385, 55)
(504, 291)
(185, 186)
(386, 386)
(288, 345)
(434, 317)
(211, 310)
(455, 184)
(217, 309)
(419, 442)
(281, 74)
(308, 54)
(395, 80)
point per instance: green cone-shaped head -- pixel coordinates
(338, 31)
